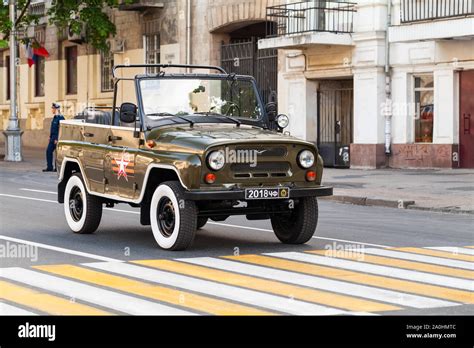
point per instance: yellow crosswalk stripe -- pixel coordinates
(437, 253)
(411, 265)
(470, 246)
(270, 286)
(156, 292)
(45, 302)
(356, 277)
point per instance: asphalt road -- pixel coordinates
(386, 281)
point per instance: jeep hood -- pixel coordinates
(201, 137)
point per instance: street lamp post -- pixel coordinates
(13, 132)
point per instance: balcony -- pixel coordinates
(433, 20)
(37, 8)
(300, 24)
(423, 10)
(139, 5)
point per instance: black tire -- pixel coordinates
(173, 219)
(83, 211)
(298, 226)
(201, 221)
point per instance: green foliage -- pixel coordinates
(69, 15)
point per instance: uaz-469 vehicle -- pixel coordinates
(196, 147)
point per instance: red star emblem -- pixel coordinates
(122, 164)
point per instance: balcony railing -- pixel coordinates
(37, 8)
(422, 10)
(310, 16)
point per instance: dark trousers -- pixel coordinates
(49, 154)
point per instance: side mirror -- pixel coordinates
(271, 110)
(128, 113)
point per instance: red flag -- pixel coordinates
(41, 51)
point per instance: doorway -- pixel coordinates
(335, 122)
(466, 119)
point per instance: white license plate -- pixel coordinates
(267, 193)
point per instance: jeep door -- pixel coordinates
(120, 163)
(95, 141)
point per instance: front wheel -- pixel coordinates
(173, 219)
(298, 226)
(83, 211)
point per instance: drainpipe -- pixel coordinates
(388, 92)
(188, 33)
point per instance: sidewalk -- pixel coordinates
(443, 190)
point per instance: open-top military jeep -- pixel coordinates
(195, 147)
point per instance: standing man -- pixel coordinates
(53, 137)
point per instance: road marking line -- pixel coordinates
(454, 250)
(105, 298)
(411, 265)
(346, 288)
(471, 246)
(45, 302)
(39, 191)
(427, 278)
(6, 309)
(437, 253)
(272, 302)
(314, 237)
(269, 286)
(175, 297)
(211, 223)
(61, 250)
(420, 258)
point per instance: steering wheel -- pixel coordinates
(232, 106)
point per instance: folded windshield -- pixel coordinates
(197, 96)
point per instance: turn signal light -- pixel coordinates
(310, 175)
(210, 178)
(150, 144)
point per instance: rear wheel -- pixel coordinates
(201, 221)
(298, 226)
(83, 211)
(173, 219)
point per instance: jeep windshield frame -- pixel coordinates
(207, 116)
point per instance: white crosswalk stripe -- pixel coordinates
(278, 303)
(463, 284)
(454, 250)
(6, 309)
(389, 296)
(75, 290)
(420, 258)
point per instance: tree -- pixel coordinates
(65, 14)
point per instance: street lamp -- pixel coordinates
(13, 132)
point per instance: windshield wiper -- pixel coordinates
(236, 121)
(160, 114)
(186, 119)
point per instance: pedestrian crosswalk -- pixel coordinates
(372, 281)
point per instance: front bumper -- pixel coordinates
(239, 194)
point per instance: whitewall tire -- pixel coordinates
(83, 211)
(173, 219)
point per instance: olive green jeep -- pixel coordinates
(195, 147)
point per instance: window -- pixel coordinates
(71, 70)
(7, 65)
(39, 77)
(424, 96)
(152, 51)
(106, 77)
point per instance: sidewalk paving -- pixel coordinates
(443, 190)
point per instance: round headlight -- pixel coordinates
(306, 159)
(216, 160)
(283, 121)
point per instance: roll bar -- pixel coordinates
(131, 66)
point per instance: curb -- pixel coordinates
(398, 204)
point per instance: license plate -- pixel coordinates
(267, 193)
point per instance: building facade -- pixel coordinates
(373, 83)
(379, 84)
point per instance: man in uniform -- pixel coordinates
(53, 136)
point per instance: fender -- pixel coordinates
(115, 197)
